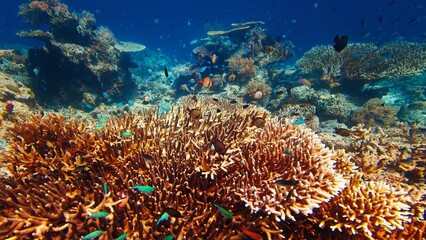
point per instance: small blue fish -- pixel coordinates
(160, 111)
(202, 69)
(130, 102)
(165, 106)
(99, 215)
(122, 236)
(144, 189)
(102, 119)
(105, 187)
(126, 134)
(119, 105)
(239, 68)
(287, 152)
(163, 217)
(298, 122)
(99, 127)
(92, 235)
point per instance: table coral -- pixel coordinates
(66, 170)
(375, 112)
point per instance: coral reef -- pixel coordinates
(70, 178)
(375, 112)
(243, 67)
(79, 57)
(258, 92)
(336, 106)
(364, 61)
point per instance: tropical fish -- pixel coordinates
(287, 152)
(258, 122)
(289, 194)
(224, 212)
(163, 217)
(213, 57)
(206, 82)
(169, 237)
(219, 147)
(119, 105)
(305, 82)
(342, 132)
(144, 189)
(99, 215)
(148, 158)
(286, 183)
(173, 212)
(298, 122)
(232, 101)
(99, 127)
(251, 234)
(166, 73)
(122, 236)
(92, 235)
(102, 119)
(246, 106)
(195, 113)
(165, 106)
(105, 188)
(126, 134)
(202, 69)
(340, 42)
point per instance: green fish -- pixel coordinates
(102, 119)
(144, 189)
(122, 236)
(92, 235)
(287, 152)
(163, 217)
(298, 122)
(105, 187)
(225, 212)
(99, 215)
(99, 127)
(169, 237)
(126, 134)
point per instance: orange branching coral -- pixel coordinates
(270, 174)
(368, 208)
(242, 66)
(375, 112)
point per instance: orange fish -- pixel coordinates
(206, 82)
(305, 82)
(213, 58)
(251, 234)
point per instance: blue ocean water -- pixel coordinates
(171, 25)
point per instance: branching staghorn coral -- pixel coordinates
(65, 172)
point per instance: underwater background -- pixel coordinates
(212, 119)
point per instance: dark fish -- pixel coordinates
(246, 106)
(232, 101)
(381, 18)
(215, 99)
(342, 132)
(218, 110)
(286, 183)
(148, 158)
(392, 2)
(173, 212)
(166, 73)
(363, 22)
(219, 147)
(195, 98)
(414, 20)
(258, 122)
(195, 113)
(289, 194)
(340, 42)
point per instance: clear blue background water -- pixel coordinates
(171, 25)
